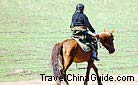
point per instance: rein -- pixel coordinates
(98, 41)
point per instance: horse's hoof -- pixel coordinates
(66, 83)
(100, 83)
(58, 83)
(85, 83)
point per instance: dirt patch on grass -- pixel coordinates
(19, 71)
(4, 52)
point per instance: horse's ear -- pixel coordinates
(104, 30)
(112, 31)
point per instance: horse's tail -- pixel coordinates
(56, 54)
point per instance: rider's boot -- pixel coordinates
(95, 55)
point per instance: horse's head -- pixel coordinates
(107, 39)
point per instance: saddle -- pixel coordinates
(87, 42)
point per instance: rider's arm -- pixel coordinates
(87, 23)
(71, 25)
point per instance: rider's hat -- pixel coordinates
(80, 7)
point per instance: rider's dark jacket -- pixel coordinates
(80, 19)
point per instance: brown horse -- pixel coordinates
(69, 51)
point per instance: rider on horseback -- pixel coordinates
(79, 25)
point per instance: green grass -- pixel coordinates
(29, 29)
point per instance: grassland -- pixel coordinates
(29, 29)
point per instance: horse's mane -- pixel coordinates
(106, 34)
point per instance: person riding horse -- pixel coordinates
(79, 25)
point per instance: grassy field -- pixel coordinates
(30, 28)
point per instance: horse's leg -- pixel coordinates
(67, 62)
(87, 72)
(97, 74)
